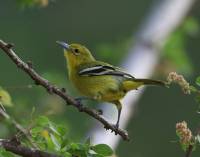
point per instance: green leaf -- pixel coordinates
(198, 81)
(66, 154)
(96, 155)
(74, 146)
(193, 89)
(102, 149)
(62, 130)
(55, 142)
(42, 121)
(78, 149)
(53, 128)
(64, 143)
(36, 130)
(198, 138)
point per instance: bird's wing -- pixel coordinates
(100, 68)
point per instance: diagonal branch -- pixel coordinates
(15, 147)
(53, 89)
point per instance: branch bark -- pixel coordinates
(15, 147)
(53, 89)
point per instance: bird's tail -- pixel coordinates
(136, 83)
(151, 82)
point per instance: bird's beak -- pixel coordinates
(63, 44)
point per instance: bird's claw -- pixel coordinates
(115, 126)
(80, 99)
(106, 127)
(100, 111)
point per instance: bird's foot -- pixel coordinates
(115, 126)
(79, 100)
(106, 127)
(79, 103)
(100, 111)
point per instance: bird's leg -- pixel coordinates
(119, 108)
(119, 114)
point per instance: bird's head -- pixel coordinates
(76, 54)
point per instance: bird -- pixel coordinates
(98, 80)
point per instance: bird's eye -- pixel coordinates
(76, 51)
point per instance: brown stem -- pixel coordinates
(7, 48)
(16, 148)
(189, 151)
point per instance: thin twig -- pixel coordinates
(18, 127)
(53, 89)
(190, 148)
(189, 151)
(16, 148)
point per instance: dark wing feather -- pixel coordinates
(99, 70)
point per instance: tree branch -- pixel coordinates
(15, 147)
(53, 89)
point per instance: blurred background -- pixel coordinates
(108, 29)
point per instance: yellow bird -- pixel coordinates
(98, 80)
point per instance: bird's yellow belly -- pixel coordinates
(100, 88)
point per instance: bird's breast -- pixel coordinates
(102, 88)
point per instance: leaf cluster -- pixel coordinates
(53, 138)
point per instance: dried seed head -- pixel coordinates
(180, 80)
(184, 133)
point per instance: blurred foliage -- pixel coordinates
(53, 138)
(113, 52)
(196, 90)
(5, 98)
(175, 49)
(31, 3)
(198, 81)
